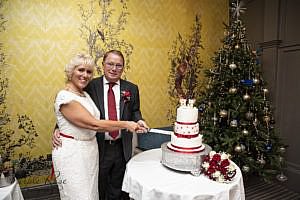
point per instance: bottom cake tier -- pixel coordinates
(189, 162)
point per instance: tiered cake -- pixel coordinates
(186, 137)
(185, 151)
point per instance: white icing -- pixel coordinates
(186, 142)
(186, 129)
(187, 114)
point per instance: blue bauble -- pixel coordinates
(269, 146)
(247, 82)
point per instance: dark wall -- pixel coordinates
(274, 25)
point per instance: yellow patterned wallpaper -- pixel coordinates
(41, 36)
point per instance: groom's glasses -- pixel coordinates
(111, 65)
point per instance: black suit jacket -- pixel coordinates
(129, 111)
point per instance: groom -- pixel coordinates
(114, 150)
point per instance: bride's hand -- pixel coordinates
(132, 126)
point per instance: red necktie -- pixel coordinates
(112, 112)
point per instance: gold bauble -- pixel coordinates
(238, 148)
(267, 118)
(223, 113)
(246, 97)
(232, 90)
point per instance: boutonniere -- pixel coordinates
(217, 166)
(126, 95)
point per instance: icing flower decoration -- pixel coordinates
(126, 95)
(217, 166)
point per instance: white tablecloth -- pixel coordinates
(147, 179)
(11, 192)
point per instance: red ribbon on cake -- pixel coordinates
(186, 136)
(187, 123)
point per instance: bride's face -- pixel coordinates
(81, 76)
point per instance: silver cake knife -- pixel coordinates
(159, 131)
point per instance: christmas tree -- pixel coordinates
(236, 111)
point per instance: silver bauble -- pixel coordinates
(232, 90)
(223, 113)
(281, 159)
(214, 119)
(265, 90)
(232, 66)
(238, 148)
(246, 168)
(246, 97)
(261, 161)
(256, 81)
(233, 123)
(249, 115)
(255, 122)
(245, 132)
(282, 150)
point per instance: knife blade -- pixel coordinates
(159, 131)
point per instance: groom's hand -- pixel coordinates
(144, 125)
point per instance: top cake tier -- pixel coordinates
(187, 114)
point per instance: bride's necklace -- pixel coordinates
(68, 88)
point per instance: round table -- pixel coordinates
(11, 192)
(147, 179)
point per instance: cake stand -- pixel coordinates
(188, 162)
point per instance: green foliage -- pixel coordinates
(237, 114)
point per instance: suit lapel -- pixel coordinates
(100, 94)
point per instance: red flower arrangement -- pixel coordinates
(218, 167)
(126, 95)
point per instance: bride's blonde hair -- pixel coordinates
(79, 59)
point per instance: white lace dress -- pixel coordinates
(76, 163)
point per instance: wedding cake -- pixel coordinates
(186, 137)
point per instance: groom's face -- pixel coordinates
(113, 67)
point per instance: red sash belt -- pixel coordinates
(66, 136)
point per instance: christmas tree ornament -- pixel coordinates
(255, 122)
(232, 90)
(243, 147)
(249, 115)
(223, 113)
(246, 168)
(247, 82)
(268, 146)
(232, 66)
(266, 118)
(238, 148)
(256, 81)
(282, 150)
(261, 160)
(237, 46)
(233, 123)
(246, 97)
(245, 132)
(281, 159)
